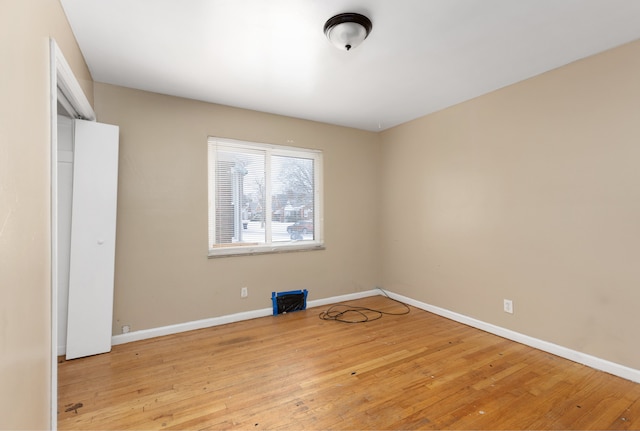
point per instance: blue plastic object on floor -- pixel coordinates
(287, 302)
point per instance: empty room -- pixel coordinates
(320, 215)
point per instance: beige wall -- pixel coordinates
(163, 276)
(25, 287)
(530, 193)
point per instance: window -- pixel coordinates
(263, 198)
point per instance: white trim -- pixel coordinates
(564, 352)
(70, 88)
(223, 320)
(145, 334)
(342, 298)
(279, 247)
(233, 145)
(63, 86)
(53, 107)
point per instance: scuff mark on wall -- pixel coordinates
(5, 221)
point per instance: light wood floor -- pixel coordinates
(295, 371)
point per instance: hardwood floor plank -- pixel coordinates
(296, 371)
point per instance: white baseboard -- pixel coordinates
(223, 320)
(342, 298)
(564, 352)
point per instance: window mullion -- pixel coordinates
(267, 193)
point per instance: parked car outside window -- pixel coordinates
(299, 228)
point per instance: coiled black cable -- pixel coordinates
(347, 313)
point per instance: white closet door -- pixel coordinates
(93, 234)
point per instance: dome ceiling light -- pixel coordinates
(347, 30)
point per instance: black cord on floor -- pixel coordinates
(347, 313)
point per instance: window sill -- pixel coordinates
(252, 250)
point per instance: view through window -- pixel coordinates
(263, 198)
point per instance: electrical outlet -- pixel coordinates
(508, 306)
(244, 292)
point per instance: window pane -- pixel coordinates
(263, 198)
(292, 186)
(239, 203)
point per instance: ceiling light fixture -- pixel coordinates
(347, 30)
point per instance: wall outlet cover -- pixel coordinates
(508, 306)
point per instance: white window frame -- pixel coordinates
(268, 247)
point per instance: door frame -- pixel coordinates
(64, 89)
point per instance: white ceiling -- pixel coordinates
(272, 55)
